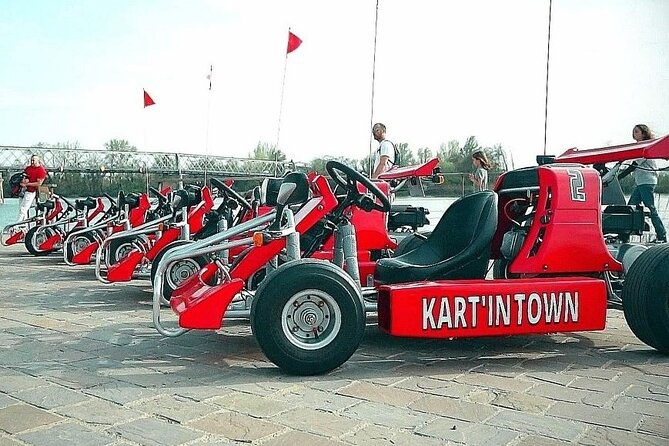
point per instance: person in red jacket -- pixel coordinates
(35, 175)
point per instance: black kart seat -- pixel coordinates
(458, 248)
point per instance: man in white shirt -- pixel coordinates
(384, 157)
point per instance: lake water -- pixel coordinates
(9, 211)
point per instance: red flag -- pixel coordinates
(147, 100)
(293, 42)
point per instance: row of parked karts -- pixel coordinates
(306, 259)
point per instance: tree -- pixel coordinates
(406, 154)
(424, 154)
(497, 156)
(119, 157)
(266, 151)
(318, 164)
(119, 145)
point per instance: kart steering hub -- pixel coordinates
(180, 271)
(311, 319)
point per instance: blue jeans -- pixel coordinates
(644, 193)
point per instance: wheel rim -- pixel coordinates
(40, 238)
(79, 244)
(180, 271)
(123, 250)
(311, 319)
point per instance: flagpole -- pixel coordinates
(548, 58)
(371, 115)
(206, 138)
(144, 120)
(278, 129)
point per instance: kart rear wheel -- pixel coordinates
(34, 239)
(645, 297)
(177, 271)
(78, 244)
(308, 317)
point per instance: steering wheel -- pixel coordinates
(110, 198)
(232, 193)
(349, 183)
(161, 197)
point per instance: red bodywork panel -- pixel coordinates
(473, 308)
(57, 209)
(371, 231)
(137, 215)
(98, 209)
(20, 235)
(83, 257)
(197, 310)
(424, 170)
(17, 237)
(566, 225)
(653, 148)
(123, 270)
(196, 215)
(51, 242)
(200, 305)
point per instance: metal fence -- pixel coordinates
(13, 158)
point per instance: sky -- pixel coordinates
(73, 71)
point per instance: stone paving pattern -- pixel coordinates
(81, 364)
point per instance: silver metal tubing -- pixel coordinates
(200, 247)
(146, 228)
(93, 229)
(370, 296)
(7, 229)
(237, 314)
(513, 190)
(158, 281)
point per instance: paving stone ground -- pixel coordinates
(81, 364)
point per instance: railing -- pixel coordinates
(13, 158)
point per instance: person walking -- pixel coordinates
(480, 176)
(35, 175)
(645, 179)
(385, 154)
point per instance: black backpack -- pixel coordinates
(15, 184)
(397, 160)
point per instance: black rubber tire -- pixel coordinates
(168, 288)
(116, 247)
(645, 297)
(70, 251)
(29, 241)
(326, 291)
(409, 243)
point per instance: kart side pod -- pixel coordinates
(474, 308)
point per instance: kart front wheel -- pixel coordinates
(308, 317)
(645, 297)
(120, 248)
(177, 271)
(35, 237)
(78, 244)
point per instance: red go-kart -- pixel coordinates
(309, 315)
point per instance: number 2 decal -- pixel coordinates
(576, 185)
